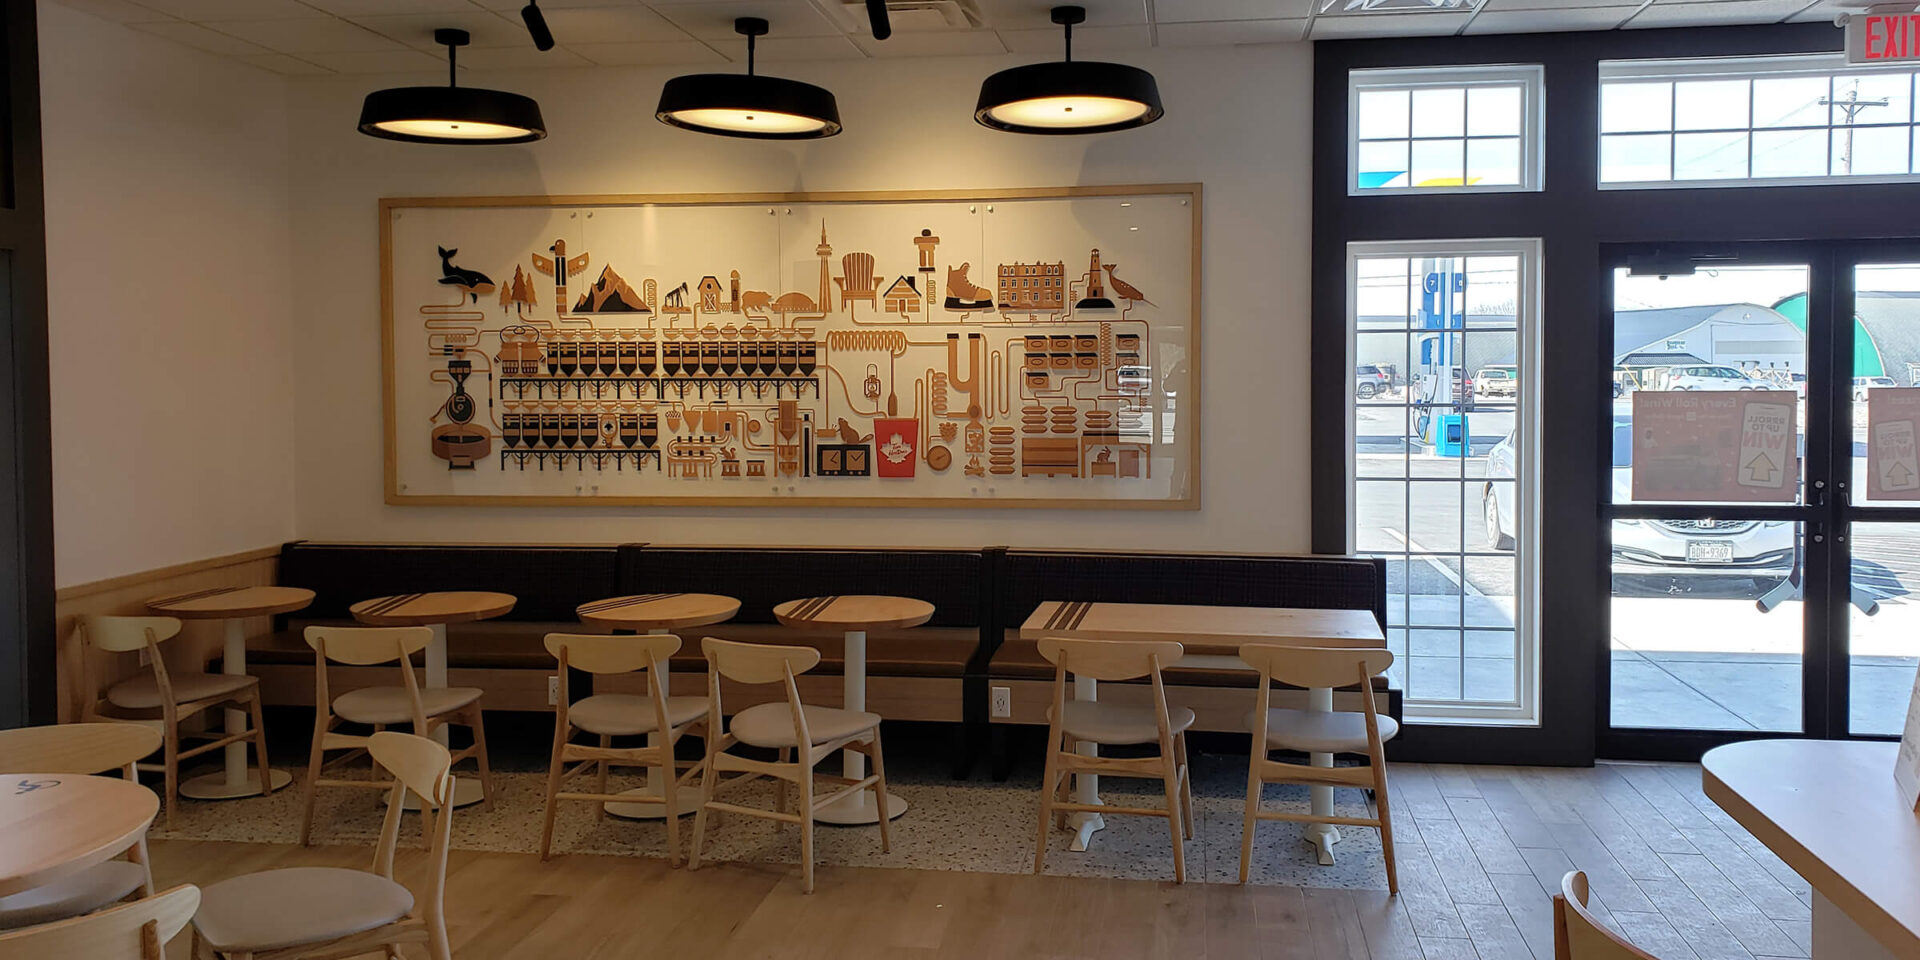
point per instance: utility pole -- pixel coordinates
(1852, 105)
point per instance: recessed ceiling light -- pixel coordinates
(749, 105)
(451, 114)
(1068, 96)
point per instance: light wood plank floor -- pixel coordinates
(1479, 848)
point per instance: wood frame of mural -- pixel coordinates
(756, 395)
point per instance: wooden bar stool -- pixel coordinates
(803, 735)
(380, 707)
(79, 748)
(1308, 731)
(610, 715)
(131, 931)
(176, 697)
(1070, 722)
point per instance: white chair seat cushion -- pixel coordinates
(1313, 732)
(300, 905)
(1118, 724)
(771, 724)
(143, 692)
(388, 705)
(626, 714)
(83, 892)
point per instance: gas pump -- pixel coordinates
(1442, 420)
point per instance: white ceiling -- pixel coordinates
(318, 37)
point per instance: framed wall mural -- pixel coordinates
(1026, 348)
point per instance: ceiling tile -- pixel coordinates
(632, 24)
(1227, 32)
(948, 43)
(1187, 11)
(118, 11)
(648, 54)
(371, 8)
(1037, 14)
(513, 6)
(1087, 39)
(232, 9)
(1710, 14)
(713, 19)
(521, 58)
(1818, 13)
(397, 60)
(1546, 21)
(198, 37)
(281, 63)
(486, 28)
(790, 49)
(323, 35)
(1506, 5)
(1387, 25)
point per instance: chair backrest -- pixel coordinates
(422, 766)
(1578, 935)
(1111, 659)
(76, 748)
(858, 271)
(601, 654)
(122, 634)
(364, 646)
(1317, 666)
(139, 929)
(757, 662)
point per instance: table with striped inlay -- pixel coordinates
(855, 615)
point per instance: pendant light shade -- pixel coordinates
(1068, 96)
(451, 114)
(749, 105)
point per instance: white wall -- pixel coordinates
(170, 300)
(1238, 120)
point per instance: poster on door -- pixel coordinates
(1893, 464)
(1715, 446)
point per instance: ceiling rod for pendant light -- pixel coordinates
(453, 113)
(537, 25)
(1068, 96)
(749, 105)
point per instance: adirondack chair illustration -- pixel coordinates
(858, 281)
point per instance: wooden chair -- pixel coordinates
(380, 707)
(79, 748)
(661, 718)
(1578, 934)
(1313, 732)
(857, 280)
(803, 735)
(177, 697)
(131, 931)
(1070, 722)
(328, 912)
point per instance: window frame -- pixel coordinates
(1532, 80)
(1751, 69)
(1528, 336)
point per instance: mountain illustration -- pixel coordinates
(610, 294)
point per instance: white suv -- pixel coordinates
(1709, 377)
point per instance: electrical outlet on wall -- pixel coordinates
(1002, 701)
(553, 690)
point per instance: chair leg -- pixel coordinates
(316, 758)
(138, 854)
(1049, 782)
(880, 792)
(1170, 777)
(700, 815)
(476, 721)
(1386, 821)
(1186, 783)
(600, 809)
(1254, 783)
(260, 744)
(554, 769)
(806, 821)
(171, 771)
(669, 789)
(780, 798)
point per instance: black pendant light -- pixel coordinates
(1070, 96)
(451, 114)
(748, 105)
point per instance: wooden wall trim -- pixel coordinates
(78, 590)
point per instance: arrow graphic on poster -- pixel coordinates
(1898, 477)
(1760, 469)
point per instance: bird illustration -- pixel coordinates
(848, 434)
(473, 282)
(1125, 289)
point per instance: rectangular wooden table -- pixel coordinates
(1212, 636)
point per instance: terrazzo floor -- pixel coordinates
(949, 825)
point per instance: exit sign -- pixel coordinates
(1884, 36)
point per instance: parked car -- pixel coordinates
(1500, 380)
(1758, 549)
(1863, 384)
(1704, 376)
(1370, 381)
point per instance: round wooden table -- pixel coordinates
(232, 604)
(656, 613)
(58, 824)
(854, 616)
(435, 611)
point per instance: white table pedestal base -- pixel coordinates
(858, 808)
(1837, 937)
(236, 779)
(688, 799)
(1086, 786)
(466, 793)
(216, 786)
(466, 789)
(1322, 835)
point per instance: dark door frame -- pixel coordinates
(27, 648)
(1573, 218)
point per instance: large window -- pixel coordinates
(1774, 119)
(1444, 130)
(1444, 335)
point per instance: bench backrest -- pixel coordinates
(550, 581)
(954, 581)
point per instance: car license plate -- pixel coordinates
(1709, 551)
